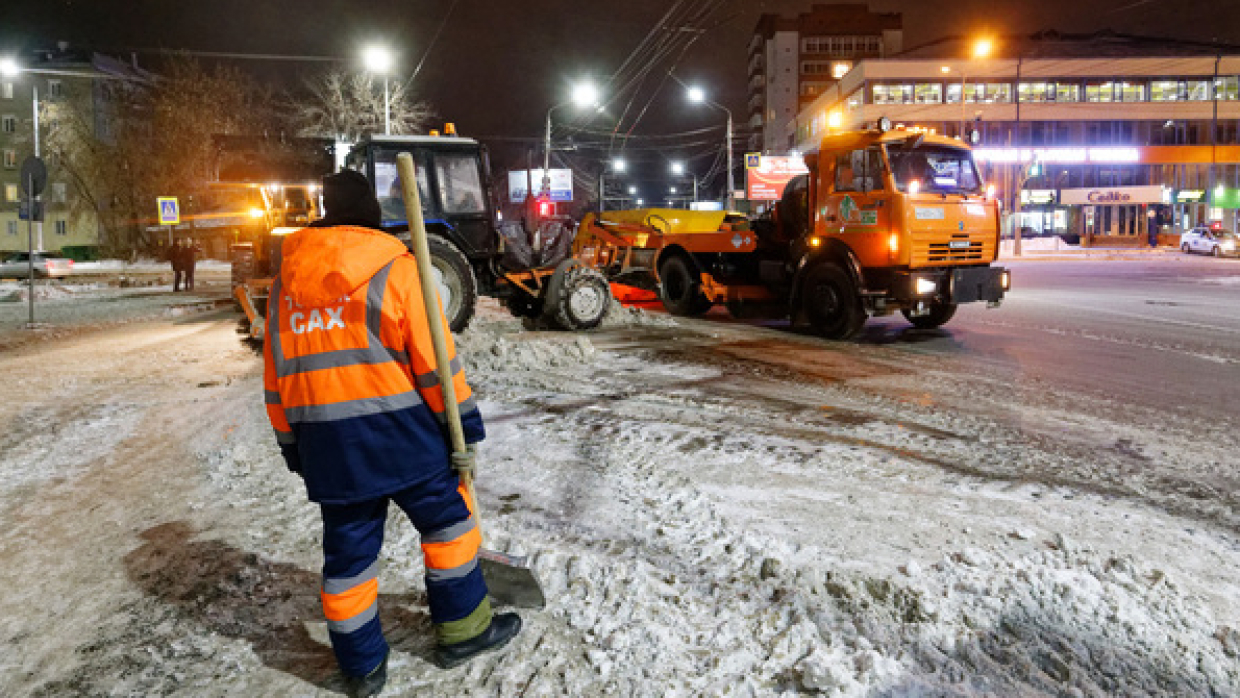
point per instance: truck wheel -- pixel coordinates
(579, 299)
(939, 314)
(831, 303)
(681, 289)
(454, 278)
(1216, 251)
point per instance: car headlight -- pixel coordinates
(925, 286)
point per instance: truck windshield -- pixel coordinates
(935, 168)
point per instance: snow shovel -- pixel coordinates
(509, 578)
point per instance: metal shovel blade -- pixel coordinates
(510, 581)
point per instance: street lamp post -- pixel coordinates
(584, 95)
(698, 96)
(379, 60)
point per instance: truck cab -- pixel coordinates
(904, 221)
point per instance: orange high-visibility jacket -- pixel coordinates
(349, 368)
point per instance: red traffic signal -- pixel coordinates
(545, 208)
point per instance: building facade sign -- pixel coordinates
(1115, 196)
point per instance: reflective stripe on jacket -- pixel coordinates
(349, 369)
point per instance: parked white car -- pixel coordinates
(1210, 241)
(46, 265)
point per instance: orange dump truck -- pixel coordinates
(885, 221)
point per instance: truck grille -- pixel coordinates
(959, 249)
(954, 251)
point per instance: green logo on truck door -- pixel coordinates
(852, 214)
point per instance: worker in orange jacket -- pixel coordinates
(352, 391)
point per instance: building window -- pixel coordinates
(1067, 92)
(893, 94)
(1165, 91)
(1227, 88)
(6, 90)
(840, 68)
(928, 93)
(8, 123)
(1197, 90)
(58, 192)
(10, 159)
(1130, 92)
(856, 100)
(12, 227)
(55, 88)
(815, 68)
(989, 92)
(1099, 92)
(10, 193)
(62, 228)
(1036, 92)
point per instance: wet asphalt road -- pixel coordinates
(1163, 334)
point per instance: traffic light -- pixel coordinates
(546, 208)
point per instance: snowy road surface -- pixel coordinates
(714, 508)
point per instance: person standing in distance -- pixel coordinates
(351, 389)
(178, 265)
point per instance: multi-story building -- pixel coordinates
(1133, 137)
(793, 60)
(58, 85)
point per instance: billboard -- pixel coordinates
(561, 184)
(766, 180)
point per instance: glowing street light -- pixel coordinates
(678, 167)
(619, 164)
(982, 48)
(378, 60)
(632, 191)
(9, 67)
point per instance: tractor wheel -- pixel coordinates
(681, 288)
(455, 281)
(831, 304)
(577, 298)
(938, 316)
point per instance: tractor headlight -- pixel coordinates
(925, 287)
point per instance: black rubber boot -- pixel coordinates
(502, 629)
(370, 684)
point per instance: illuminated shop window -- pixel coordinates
(1067, 92)
(1036, 91)
(1197, 90)
(1100, 91)
(1227, 88)
(1130, 92)
(1165, 91)
(893, 94)
(928, 93)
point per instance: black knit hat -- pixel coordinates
(349, 200)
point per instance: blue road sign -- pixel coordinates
(169, 211)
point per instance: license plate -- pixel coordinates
(958, 244)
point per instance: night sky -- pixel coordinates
(497, 66)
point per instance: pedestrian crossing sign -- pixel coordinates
(169, 211)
